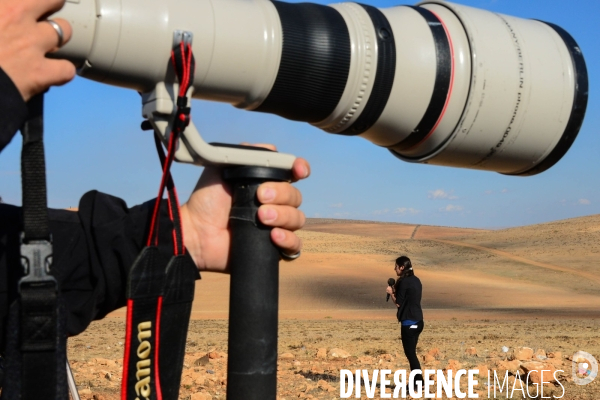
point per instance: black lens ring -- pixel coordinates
(441, 88)
(580, 101)
(384, 74)
(315, 63)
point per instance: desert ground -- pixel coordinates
(488, 297)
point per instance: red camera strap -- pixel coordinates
(160, 292)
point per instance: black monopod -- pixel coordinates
(254, 289)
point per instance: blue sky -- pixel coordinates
(94, 142)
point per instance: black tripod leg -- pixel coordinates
(254, 291)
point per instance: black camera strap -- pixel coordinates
(36, 338)
(160, 293)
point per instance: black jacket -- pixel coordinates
(93, 248)
(13, 110)
(408, 297)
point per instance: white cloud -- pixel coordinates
(488, 192)
(341, 215)
(504, 191)
(451, 208)
(317, 215)
(404, 210)
(584, 202)
(381, 212)
(337, 205)
(441, 194)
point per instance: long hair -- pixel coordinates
(403, 261)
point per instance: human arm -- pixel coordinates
(401, 293)
(390, 290)
(95, 247)
(24, 68)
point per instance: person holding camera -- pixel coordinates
(94, 248)
(407, 293)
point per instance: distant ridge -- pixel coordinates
(328, 221)
(314, 221)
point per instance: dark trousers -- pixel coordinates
(410, 337)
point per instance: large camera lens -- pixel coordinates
(437, 83)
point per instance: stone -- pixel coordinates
(535, 368)
(387, 357)
(555, 354)
(436, 353)
(521, 354)
(324, 385)
(338, 354)
(511, 366)
(365, 360)
(453, 365)
(540, 354)
(213, 355)
(556, 362)
(483, 370)
(471, 351)
(202, 361)
(104, 361)
(186, 381)
(428, 358)
(200, 396)
(198, 377)
(322, 353)
(287, 356)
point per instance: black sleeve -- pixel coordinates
(13, 110)
(93, 251)
(401, 293)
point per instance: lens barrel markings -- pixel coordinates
(442, 86)
(384, 75)
(579, 104)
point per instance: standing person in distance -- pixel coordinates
(407, 293)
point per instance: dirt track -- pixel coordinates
(524, 260)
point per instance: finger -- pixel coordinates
(281, 216)
(48, 37)
(43, 8)
(56, 73)
(281, 193)
(300, 169)
(263, 145)
(66, 28)
(287, 241)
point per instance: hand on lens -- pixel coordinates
(25, 39)
(205, 217)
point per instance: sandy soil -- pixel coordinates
(534, 286)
